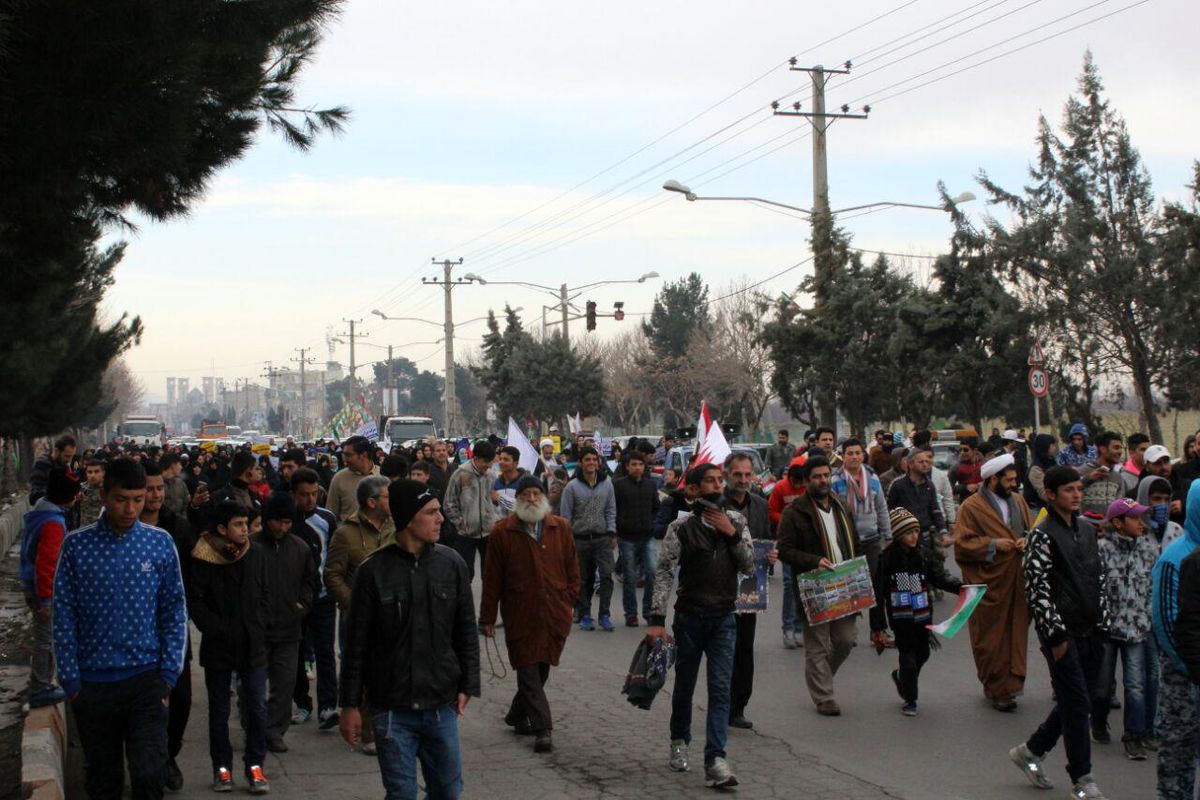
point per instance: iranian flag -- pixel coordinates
(968, 598)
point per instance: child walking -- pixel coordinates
(1128, 561)
(907, 573)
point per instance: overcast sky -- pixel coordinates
(470, 114)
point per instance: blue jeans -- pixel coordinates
(697, 636)
(404, 737)
(1153, 678)
(791, 624)
(254, 694)
(633, 552)
(1133, 668)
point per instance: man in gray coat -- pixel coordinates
(590, 505)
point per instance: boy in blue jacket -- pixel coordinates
(1178, 714)
(119, 634)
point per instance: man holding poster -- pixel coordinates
(816, 531)
(739, 472)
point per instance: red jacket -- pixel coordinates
(780, 495)
(46, 562)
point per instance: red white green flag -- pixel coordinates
(968, 598)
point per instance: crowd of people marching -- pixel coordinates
(333, 585)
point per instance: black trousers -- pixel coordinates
(119, 723)
(530, 703)
(319, 626)
(1074, 678)
(181, 708)
(281, 682)
(742, 684)
(912, 643)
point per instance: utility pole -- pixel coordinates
(388, 408)
(303, 361)
(352, 335)
(566, 315)
(448, 283)
(822, 220)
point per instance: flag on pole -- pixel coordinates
(711, 448)
(968, 598)
(517, 439)
(711, 445)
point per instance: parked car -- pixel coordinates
(680, 458)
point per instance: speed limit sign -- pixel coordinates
(1039, 382)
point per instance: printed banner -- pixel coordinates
(968, 598)
(829, 594)
(752, 586)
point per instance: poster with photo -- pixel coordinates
(752, 586)
(829, 594)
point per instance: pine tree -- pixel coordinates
(1083, 244)
(107, 110)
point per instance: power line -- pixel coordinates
(1004, 54)
(856, 60)
(860, 75)
(687, 122)
(525, 234)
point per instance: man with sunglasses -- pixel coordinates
(966, 475)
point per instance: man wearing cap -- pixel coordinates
(45, 526)
(1128, 561)
(989, 538)
(412, 646)
(292, 585)
(1157, 463)
(1065, 589)
(532, 575)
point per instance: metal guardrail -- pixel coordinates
(10, 524)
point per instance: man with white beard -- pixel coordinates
(532, 574)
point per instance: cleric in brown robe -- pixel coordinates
(532, 575)
(988, 541)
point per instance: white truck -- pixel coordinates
(142, 430)
(405, 431)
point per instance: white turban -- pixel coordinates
(996, 465)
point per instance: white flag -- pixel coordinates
(516, 438)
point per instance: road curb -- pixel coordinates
(43, 752)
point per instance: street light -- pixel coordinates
(386, 318)
(676, 186)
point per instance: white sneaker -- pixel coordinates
(1086, 789)
(679, 755)
(789, 640)
(1031, 766)
(719, 775)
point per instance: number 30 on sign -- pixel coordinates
(1039, 382)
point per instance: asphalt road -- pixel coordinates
(956, 748)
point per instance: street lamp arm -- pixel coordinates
(386, 318)
(806, 211)
(886, 204)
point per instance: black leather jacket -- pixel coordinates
(411, 636)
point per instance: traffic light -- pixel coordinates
(591, 315)
(619, 314)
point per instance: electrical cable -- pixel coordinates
(1000, 55)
